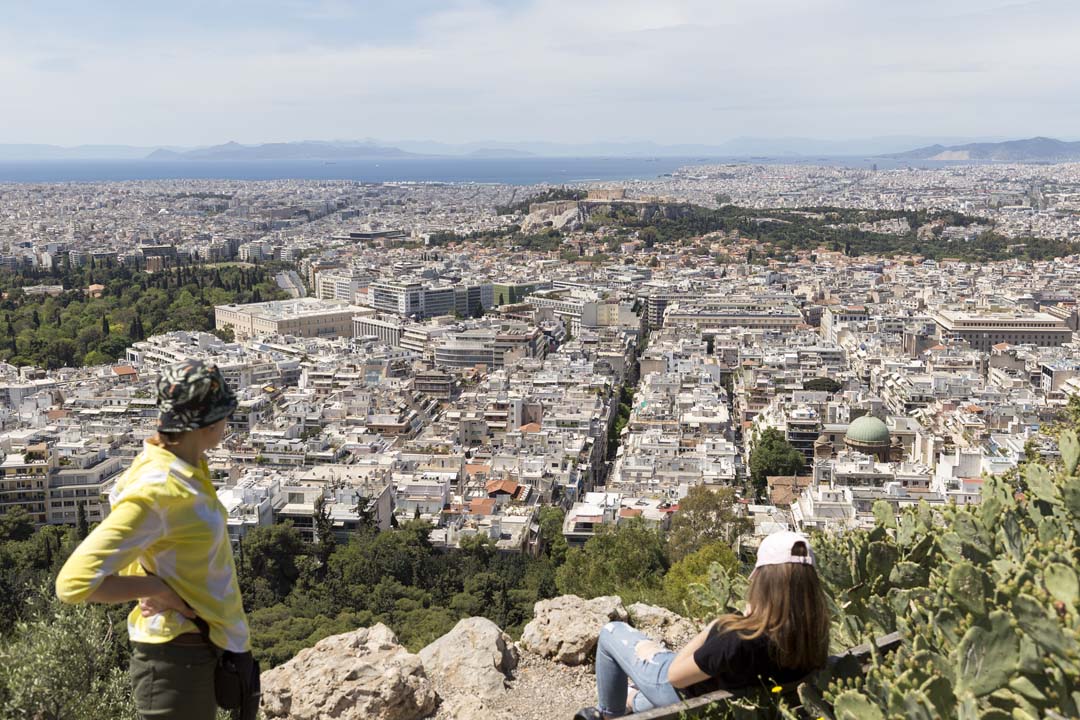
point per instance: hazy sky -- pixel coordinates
(694, 71)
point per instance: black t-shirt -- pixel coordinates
(736, 663)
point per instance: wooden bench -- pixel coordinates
(694, 707)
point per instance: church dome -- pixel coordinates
(867, 430)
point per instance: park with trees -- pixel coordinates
(77, 327)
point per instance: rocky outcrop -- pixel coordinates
(361, 675)
(662, 625)
(565, 216)
(475, 659)
(474, 672)
(565, 628)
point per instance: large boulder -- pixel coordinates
(361, 675)
(475, 658)
(662, 625)
(565, 628)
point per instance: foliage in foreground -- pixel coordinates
(987, 599)
(61, 664)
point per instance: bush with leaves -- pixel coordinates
(627, 560)
(62, 664)
(683, 576)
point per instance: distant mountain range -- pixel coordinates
(737, 147)
(309, 150)
(1039, 149)
(1036, 149)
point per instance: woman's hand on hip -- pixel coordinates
(166, 599)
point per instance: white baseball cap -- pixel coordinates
(776, 549)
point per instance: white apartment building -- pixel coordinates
(300, 317)
(419, 300)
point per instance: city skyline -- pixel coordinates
(679, 72)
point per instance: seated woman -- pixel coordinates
(783, 636)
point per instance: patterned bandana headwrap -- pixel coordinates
(192, 395)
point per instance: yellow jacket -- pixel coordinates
(167, 519)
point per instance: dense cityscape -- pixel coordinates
(540, 360)
(538, 379)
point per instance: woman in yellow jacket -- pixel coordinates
(166, 544)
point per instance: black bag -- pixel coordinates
(236, 679)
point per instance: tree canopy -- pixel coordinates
(685, 577)
(705, 516)
(773, 455)
(782, 231)
(822, 384)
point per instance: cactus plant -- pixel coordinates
(987, 658)
(1040, 483)
(1062, 584)
(1070, 452)
(969, 587)
(851, 705)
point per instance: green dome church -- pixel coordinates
(869, 435)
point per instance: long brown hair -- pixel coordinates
(787, 605)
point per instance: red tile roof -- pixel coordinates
(477, 468)
(507, 486)
(481, 506)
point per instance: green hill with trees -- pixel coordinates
(784, 231)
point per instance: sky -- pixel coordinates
(202, 72)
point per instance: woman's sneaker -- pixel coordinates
(589, 713)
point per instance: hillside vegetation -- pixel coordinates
(987, 599)
(781, 232)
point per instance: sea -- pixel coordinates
(509, 171)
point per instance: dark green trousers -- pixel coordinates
(173, 682)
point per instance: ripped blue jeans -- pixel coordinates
(617, 659)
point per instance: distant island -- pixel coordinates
(1036, 149)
